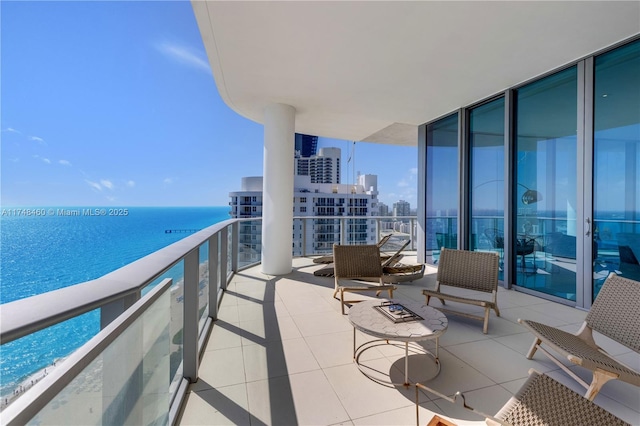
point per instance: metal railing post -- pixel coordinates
(190, 310)
(112, 310)
(235, 237)
(224, 256)
(214, 276)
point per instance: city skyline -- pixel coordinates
(114, 104)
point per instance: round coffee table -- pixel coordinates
(368, 318)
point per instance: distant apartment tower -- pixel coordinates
(383, 209)
(321, 168)
(306, 145)
(401, 208)
(355, 205)
(247, 203)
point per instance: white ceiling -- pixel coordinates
(374, 71)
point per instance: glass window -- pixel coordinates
(486, 145)
(442, 186)
(616, 209)
(545, 188)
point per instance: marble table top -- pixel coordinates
(364, 317)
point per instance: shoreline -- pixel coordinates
(28, 383)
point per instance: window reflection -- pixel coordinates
(442, 186)
(617, 164)
(486, 144)
(545, 201)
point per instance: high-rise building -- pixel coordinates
(321, 168)
(306, 145)
(383, 209)
(358, 204)
(401, 208)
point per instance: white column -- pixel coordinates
(277, 190)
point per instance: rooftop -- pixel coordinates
(281, 353)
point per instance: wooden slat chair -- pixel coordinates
(540, 401)
(472, 270)
(616, 314)
(360, 262)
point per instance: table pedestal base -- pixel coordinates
(376, 375)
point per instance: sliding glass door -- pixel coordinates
(616, 137)
(486, 159)
(442, 187)
(545, 205)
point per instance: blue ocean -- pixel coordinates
(50, 250)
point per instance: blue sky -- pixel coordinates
(114, 104)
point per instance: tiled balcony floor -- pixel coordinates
(281, 354)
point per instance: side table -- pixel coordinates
(364, 316)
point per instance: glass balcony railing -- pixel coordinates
(134, 358)
(154, 316)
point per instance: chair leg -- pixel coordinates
(534, 347)
(495, 308)
(428, 298)
(390, 293)
(485, 328)
(600, 377)
(342, 300)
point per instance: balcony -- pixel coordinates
(268, 350)
(287, 357)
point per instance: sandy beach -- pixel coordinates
(29, 382)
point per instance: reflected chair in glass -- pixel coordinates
(496, 240)
(525, 246)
